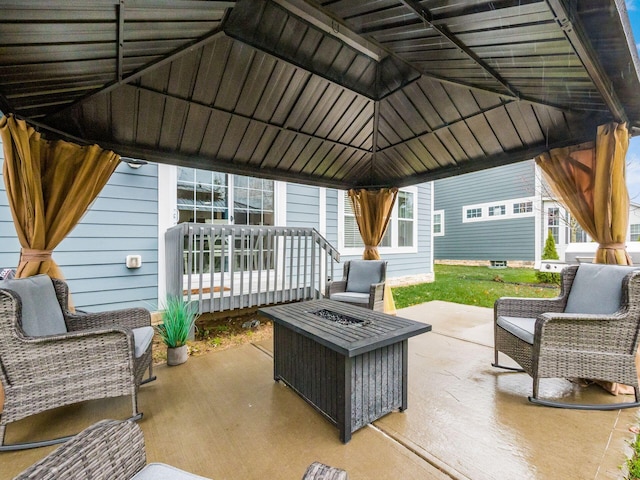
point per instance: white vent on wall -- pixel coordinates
(133, 261)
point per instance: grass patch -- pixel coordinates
(633, 463)
(480, 286)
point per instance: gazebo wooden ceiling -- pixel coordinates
(340, 93)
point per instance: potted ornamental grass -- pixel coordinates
(178, 320)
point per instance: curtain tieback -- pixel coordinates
(35, 255)
(612, 246)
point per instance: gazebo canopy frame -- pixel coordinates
(344, 94)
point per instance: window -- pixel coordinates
(507, 209)
(351, 233)
(522, 207)
(634, 231)
(497, 210)
(252, 201)
(438, 223)
(474, 213)
(213, 197)
(553, 223)
(405, 219)
(401, 231)
(202, 196)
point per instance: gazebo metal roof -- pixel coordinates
(340, 93)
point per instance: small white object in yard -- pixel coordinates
(251, 324)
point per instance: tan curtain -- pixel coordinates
(590, 181)
(50, 185)
(372, 209)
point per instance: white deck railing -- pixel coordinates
(226, 267)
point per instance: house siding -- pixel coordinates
(303, 206)
(505, 239)
(332, 216)
(123, 220)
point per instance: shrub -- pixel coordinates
(178, 319)
(549, 253)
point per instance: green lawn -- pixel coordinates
(479, 286)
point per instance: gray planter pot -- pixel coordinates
(177, 355)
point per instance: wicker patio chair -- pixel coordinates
(589, 331)
(115, 450)
(51, 357)
(362, 284)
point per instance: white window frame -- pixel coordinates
(528, 205)
(393, 224)
(485, 208)
(441, 223)
(497, 210)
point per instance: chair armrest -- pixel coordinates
(336, 286)
(527, 307)
(614, 333)
(107, 450)
(128, 318)
(376, 296)
(47, 355)
(319, 471)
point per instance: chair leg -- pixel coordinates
(496, 363)
(583, 406)
(151, 376)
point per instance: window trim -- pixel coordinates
(393, 223)
(441, 223)
(508, 206)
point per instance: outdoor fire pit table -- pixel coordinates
(348, 362)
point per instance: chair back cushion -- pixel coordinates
(362, 273)
(142, 338)
(162, 471)
(41, 312)
(597, 289)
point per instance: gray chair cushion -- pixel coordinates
(597, 289)
(351, 297)
(41, 312)
(521, 327)
(362, 273)
(161, 471)
(142, 337)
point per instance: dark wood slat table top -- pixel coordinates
(376, 329)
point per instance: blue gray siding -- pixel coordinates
(122, 221)
(303, 206)
(508, 239)
(332, 216)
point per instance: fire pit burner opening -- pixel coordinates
(339, 318)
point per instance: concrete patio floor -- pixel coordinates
(222, 416)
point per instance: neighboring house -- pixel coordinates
(504, 214)
(139, 204)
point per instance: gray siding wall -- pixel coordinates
(303, 206)
(508, 239)
(332, 216)
(123, 220)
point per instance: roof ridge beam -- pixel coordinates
(252, 119)
(443, 31)
(569, 21)
(183, 50)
